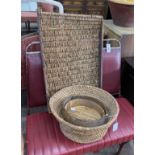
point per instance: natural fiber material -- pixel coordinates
(78, 133)
(71, 46)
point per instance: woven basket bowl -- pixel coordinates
(77, 133)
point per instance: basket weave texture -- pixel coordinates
(78, 133)
(71, 48)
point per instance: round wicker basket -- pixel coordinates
(78, 133)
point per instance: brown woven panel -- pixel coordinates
(71, 47)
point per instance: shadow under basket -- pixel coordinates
(122, 13)
(79, 133)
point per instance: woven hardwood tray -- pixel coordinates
(71, 48)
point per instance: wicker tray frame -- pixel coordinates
(71, 49)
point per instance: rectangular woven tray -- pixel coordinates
(71, 49)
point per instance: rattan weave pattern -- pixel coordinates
(71, 46)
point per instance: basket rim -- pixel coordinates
(61, 120)
(72, 15)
